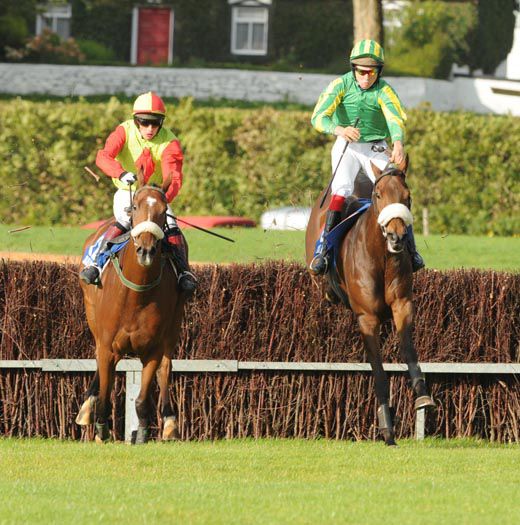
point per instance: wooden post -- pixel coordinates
(425, 222)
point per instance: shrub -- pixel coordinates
(13, 32)
(464, 167)
(95, 51)
(48, 47)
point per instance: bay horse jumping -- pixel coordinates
(375, 272)
(137, 310)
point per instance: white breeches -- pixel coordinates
(358, 155)
(122, 201)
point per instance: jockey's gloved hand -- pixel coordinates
(128, 177)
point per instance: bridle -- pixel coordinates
(133, 208)
(391, 211)
(145, 226)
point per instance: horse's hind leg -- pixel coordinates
(86, 412)
(142, 404)
(403, 317)
(369, 326)
(170, 426)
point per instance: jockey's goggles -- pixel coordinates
(145, 122)
(366, 72)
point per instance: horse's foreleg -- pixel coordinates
(369, 326)
(142, 405)
(403, 317)
(106, 361)
(86, 412)
(170, 427)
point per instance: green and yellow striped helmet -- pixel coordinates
(367, 53)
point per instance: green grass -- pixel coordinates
(264, 481)
(257, 245)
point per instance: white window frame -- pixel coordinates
(235, 19)
(54, 12)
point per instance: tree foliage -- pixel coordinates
(492, 38)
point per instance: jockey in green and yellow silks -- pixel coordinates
(142, 143)
(359, 95)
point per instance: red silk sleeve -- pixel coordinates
(106, 157)
(171, 160)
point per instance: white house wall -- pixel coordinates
(482, 95)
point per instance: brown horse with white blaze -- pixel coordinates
(375, 272)
(137, 310)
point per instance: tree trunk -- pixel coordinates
(368, 20)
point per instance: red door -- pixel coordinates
(154, 34)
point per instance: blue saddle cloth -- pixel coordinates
(337, 234)
(89, 257)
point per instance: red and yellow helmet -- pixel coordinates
(149, 104)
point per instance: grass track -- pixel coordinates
(263, 481)
(257, 245)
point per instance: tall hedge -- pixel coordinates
(464, 167)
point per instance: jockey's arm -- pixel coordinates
(395, 117)
(106, 157)
(171, 161)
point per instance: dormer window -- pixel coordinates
(55, 17)
(249, 26)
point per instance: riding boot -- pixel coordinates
(186, 280)
(320, 263)
(417, 260)
(90, 274)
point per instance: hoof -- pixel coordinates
(102, 433)
(86, 412)
(141, 436)
(170, 429)
(389, 437)
(99, 441)
(424, 402)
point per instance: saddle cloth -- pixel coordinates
(112, 247)
(337, 234)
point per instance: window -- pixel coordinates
(56, 18)
(249, 30)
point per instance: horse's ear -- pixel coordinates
(140, 176)
(167, 180)
(375, 170)
(404, 165)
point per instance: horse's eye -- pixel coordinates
(378, 195)
(134, 208)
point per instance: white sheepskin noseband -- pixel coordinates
(395, 211)
(148, 227)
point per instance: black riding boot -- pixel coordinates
(417, 260)
(90, 274)
(320, 263)
(186, 280)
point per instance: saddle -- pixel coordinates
(354, 208)
(108, 249)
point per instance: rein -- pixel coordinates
(130, 284)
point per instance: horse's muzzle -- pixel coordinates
(394, 242)
(145, 256)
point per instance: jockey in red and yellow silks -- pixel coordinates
(359, 96)
(143, 143)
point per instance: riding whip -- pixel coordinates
(201, 229)
(337, 166)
